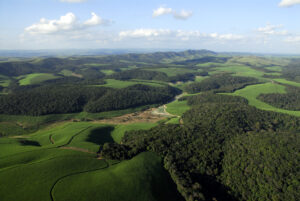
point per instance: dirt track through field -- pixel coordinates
(138, 117)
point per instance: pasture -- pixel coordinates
(142, 178)
(288, 82)
(39, 165)
(251, 92)
(35, 78)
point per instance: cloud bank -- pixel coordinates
(272, 30)
(289, 3)
(65, 23)
(162, 10)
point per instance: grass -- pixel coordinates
(66, 72)
(36, 78)
(274, 68)
(177, 107)
(240, 70)
(33, 181)
(120, 130)
(108, 72)
(141, 178)
(284, 81)
(4, 81)
(251, 92)
(13, 123)
(33, 168)
(119, 84)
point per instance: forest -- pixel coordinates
(215, 149)
(290, 100)
(69, 99)
(194, 125)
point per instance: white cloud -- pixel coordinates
(183, 15)
(94, 20)
(138, 33)
(272, 30)
(162, 10)
(73, 1)
(65, 23)
(166, 34)
(288, 3)
(292, 39)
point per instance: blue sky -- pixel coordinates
(266, 26)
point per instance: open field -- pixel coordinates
(123, 84)
(4, 81)
(108, 72)
(67, 153)
(240, 70)
(177, 107)
(36, 78)
(251, 92)
(284, 81)
(141, 178)
(20, 124)
(274, 68)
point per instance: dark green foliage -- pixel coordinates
(115, 151)
(208, 97)
(194, 152)
(49, 100)
(132, 96)
(221, 83)
(139, 74)
(203, 60)
(57, 99)
(292, 71)
(263, 166)
(288, 101)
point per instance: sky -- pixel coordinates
(262, 26)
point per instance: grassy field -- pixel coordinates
(274, 68)
(142, 178)
(4, 81)
(19, 124)
(108, 72)
(284, 81)
(177, 107)
(34, 167)
(240, 70)
(123, 84)
(36, 78)
(251, 92)
(66, 72)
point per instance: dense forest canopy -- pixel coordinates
(68, 99)
(199, 154)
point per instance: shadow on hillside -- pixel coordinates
(100, 135)
(212, 189)
(29, 143)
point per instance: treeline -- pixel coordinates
(133, 96)
(220, 83)
(292, 71)
(155, 75)
(57, 99)
(288, 101)
(211, 156)
(205, 59)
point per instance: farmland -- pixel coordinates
(156, 126)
